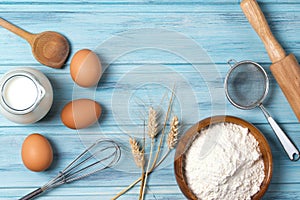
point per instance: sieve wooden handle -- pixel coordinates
(259, 23)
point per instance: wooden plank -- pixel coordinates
(134, 7)
(275, 191)
(67, 145)
(64, 92)
(144, 2)
(222, 24)
(68, 192)
(289, 191)
(16, 176)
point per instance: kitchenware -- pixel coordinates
(246, 87)
(189, 136)
(26, 95)
(101, 155)
(49, 48)
(284, 68)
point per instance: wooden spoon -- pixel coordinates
(49, 48)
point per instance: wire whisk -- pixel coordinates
(101, 155)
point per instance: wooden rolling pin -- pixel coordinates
(285, 69)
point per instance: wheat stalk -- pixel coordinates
(137, 153)
(172, 140)
(173, 134)
(138, 156)
(139, 159)
(152, 133)
(163, 130)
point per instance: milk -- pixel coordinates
(20, 92)
(26, 95)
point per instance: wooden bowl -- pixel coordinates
(192, 133)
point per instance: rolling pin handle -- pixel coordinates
(259, 23)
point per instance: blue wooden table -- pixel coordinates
(118, 30)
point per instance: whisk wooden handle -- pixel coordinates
(33, 194)
(259, 23)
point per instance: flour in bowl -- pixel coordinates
(224, 162)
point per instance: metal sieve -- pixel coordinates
(246, 87)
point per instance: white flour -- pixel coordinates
(224, 162)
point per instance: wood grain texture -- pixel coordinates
(287, 74)
(259, 23)
(218, 26)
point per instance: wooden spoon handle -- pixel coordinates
(18, 31)
(259, 23)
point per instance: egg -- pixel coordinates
(37, 154)
(85, 68)
(80, 113)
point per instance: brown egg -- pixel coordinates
(85, 68)
(37, 154)
(80, 113)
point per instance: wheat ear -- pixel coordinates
(172, 139)
(173, 134)
(137, 153)
(152, 123)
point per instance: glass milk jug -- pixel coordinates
(26, 95)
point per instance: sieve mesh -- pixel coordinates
(246, 85)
